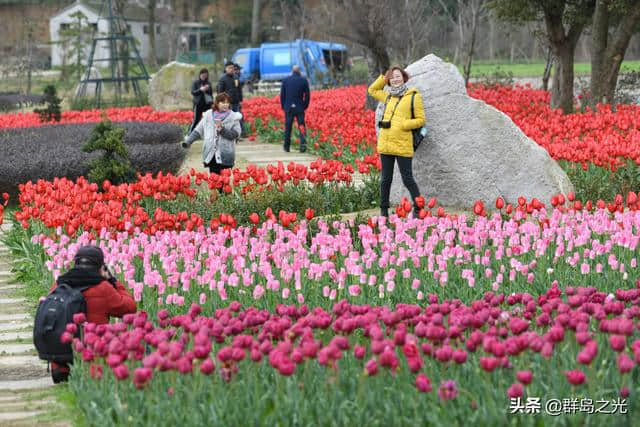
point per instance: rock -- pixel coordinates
(472, 151)
(170, 87)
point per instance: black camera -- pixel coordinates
(384, 124)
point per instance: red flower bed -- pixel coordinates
(69, 204)
(136, 114)
(602, 137)
(336, 116)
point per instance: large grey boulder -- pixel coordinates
(170, 87)
(472, 151)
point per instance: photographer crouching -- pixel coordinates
(105, 296)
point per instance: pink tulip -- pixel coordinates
(515, 390)
(448, 390)
(423, 384)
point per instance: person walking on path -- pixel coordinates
(106, 296)
(202, 93)
(395, 139)
(220, 129)
(230, 84)
(294, 99)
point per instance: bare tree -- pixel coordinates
(255, 22)
(151, 9)
(465, 16)
(472, 12)
(410, 26)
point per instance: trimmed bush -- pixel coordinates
(56, 150)
(114, 165)
(13, 100)
(52, 111)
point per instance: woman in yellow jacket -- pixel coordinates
(395, 139)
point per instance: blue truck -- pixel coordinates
(318, 61)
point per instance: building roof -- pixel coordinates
(132, 12)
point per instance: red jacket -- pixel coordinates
(103, 301)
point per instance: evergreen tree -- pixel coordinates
(114, 165)
(52, 110)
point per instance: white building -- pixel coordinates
(136, 17)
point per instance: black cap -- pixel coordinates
(229, 63)
(237, 65)
(91, 255)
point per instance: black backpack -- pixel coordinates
(52, 317)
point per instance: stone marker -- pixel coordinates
(170, 87)
(472, 151)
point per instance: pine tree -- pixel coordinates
(52, 110)
(114, 165)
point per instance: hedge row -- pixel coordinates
(56, 150)
(12, 100)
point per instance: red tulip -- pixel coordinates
(499, 202)
(308, 213)
(575, 377)
(478, 207)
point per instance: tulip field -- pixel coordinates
(526, 312)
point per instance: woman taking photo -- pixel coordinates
(395, 139)
(219, 128)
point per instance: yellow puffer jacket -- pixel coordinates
(398, 140)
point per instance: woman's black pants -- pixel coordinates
(404, 164)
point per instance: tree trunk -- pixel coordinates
(609, 53)
(492, 38)
(599, 39)
(29, 54)
(255, 22)
(547, 70)
(152, 32)
(564, 47)
(563, 97)
(472, 43)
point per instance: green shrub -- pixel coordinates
(52, 111)
(326, 199)
(114, 165)
(593, 182)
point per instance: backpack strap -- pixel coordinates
(79, 288)
(413, 95)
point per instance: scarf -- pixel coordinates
(218, 115)
(77, 277)
(398, 91)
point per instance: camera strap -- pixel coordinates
(394, 108)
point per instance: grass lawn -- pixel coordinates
(535, 69)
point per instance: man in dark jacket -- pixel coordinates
(230, 83)
(202, 93)
(294, 99)
(106, 297)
